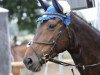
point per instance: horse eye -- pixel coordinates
(52, 26)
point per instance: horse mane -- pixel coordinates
(86, 23)
(88, 36)
(79, 16)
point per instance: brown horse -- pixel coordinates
(53, 37)
(18, 52)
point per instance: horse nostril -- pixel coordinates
(28, 61)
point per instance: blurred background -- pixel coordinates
(22, 24)
(23, 13)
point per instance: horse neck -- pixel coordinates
(88, 37)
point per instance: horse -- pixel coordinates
(54, 36)
(18, 52)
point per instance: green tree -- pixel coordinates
(24, 10)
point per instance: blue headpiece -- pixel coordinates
(51, 9)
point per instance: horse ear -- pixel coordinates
(44, 5)
(57, 6)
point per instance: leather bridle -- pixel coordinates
(46, 57)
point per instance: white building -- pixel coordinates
(77, 4)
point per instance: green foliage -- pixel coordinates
(24, 10)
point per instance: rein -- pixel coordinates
(68, 64)
(60, 62)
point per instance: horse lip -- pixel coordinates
(32, 68)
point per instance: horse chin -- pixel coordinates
(34, 68)
(32, 65)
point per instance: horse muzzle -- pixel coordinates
(32, 64)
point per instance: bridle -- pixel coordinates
(46, 57)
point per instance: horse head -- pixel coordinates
(52, 36)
